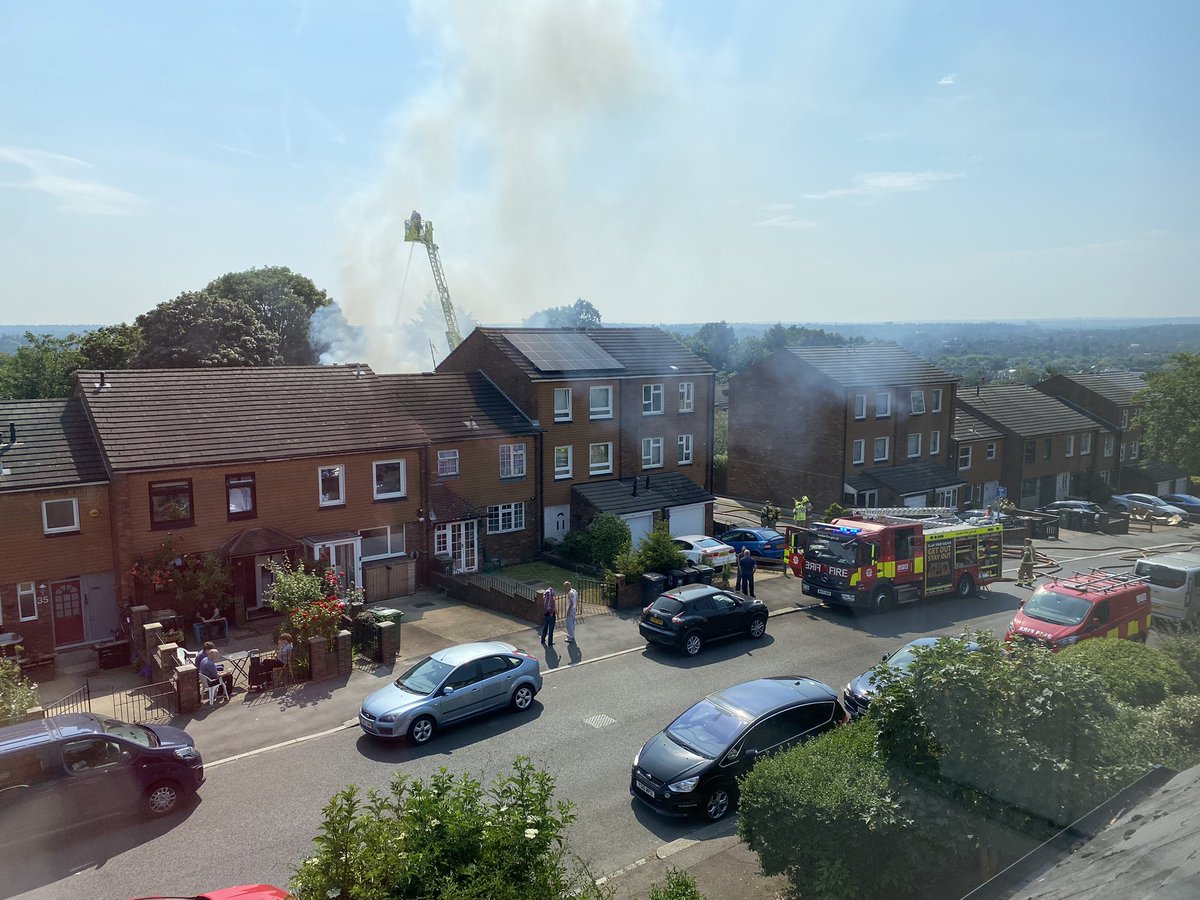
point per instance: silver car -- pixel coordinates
(451, 685)
(1146, 504)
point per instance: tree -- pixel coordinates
(283, 300)
(712, 342)
(608, 535)
(657, 551)
(202, 330)
(110, 347)
(580, 314)
(41, 369)
(1169, 405)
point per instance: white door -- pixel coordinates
(989, 491)
(688, 519)
(639, 525)
(457, 540)
(558, 522)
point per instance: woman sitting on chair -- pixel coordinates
(282, 658)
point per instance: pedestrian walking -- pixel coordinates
(572, 609)
(746, 567)
(549, 615)
(1028, 558)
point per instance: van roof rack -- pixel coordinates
(1100, 582)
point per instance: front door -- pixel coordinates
(263, 578)
(100, 606)
(457, 541)
(66, 599)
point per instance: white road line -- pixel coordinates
(349, 723)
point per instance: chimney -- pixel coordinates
(12, 432)
(634, 487)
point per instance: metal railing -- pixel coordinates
(152, 703)
(75, 702)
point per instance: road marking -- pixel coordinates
(349, 723)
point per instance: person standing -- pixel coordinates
(549, 615)
(1028, 558)
(746, 567)
(572, 608)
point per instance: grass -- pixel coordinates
(539, 571)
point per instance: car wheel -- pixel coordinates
(162, 798)
(692, 642)
(717, 803)
(758, 627)
(522, 698)
(882, 599)
(966, 585)
(1122, 508)
(421, 730)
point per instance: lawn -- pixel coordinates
(539, 571)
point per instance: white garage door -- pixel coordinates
(688, 519)
(639, 525)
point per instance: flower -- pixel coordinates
(531, 833)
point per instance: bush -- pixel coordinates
(18, 694)
(658, 552)
(1131, 672)
(1184, 648)
(629, 563)
(609, 534)
(1165, 735)
(680, 886)
(833, 510)
(576, 546)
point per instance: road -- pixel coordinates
(256, 815)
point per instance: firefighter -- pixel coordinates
(800, 510)
(1028, 558)
(764, 514)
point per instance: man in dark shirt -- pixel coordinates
(746, 567)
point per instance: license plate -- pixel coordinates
(645, 789)
(821, 592)
(656, 620)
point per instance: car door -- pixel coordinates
(786, 729)
(495, 681)
(460, 694)
(727, 616)
(28, 791)
(700, 613)
(689, 551)
(737, 539)
(100, 776)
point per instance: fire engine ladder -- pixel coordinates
(912, 513)
(421, 231)
(1100, 582)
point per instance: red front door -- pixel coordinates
(67, 599)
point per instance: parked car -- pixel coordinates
(1081, 505)
(859, 692)
(689, 617)
(450, 686)
(1147, 504)
(241, 892)
(1187, 502)
(700, 549)
(78, 768)
(1068, 609)
(763, 542)
(692, 766)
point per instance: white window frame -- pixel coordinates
(883, 410)
(389, 495)
(505, 517)
(946, 496)
(561, 472)
(858, 452)
(1124, 418)
(562, 411)
(26, 592)
(1134, 449)
(447, 463)
(886, 449)
(916, 403)
(685, 449)
(867, 498)
(516, 467)
(935, 400)
(965, 456)
(1109, 440)
(341, 476)
(652, 447)
(860, 406)
(393, 536)
(1070, 445)
(603, 468)
(61, 529)
(1085, 444)
(1122, 454)
(990, 451)
(687, 397)
(935, 443)
(652, 400)
(911, 453)
(600, 411)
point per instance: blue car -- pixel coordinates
(1189, 503)
(857, 695)
(766, 543)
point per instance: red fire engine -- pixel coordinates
(877, 558)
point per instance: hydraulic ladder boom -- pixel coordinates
(421, 231)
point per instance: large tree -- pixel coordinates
(40, 369)
(203, 330)
(1171, 412)
(580, 314)
(283, 300)
(713, 342)
(110, 347)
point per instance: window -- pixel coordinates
(687, 402)
(512, 460)
(1108, 445)
(991, 450)
(881, 449)
(390, 479)
(935, 443)
(506, 517)
(563, 462)
(1030, 451)
(1124, 418)
(883, 405)
(447, 463)
(381, 541)
(859, 453)
(1133, 449)
(60, 516)
(600, 459)
(652, 399)
(171, 504)
(937, 400)
(685, 449)
(562, 404)
(860, 406)
(1048, 448)
(1122, 451)
(1085, 444)
(914, 445)
(964, 458)
(1104, 476)
(239, 496)
(652, 453)
(868, 498)
(916, 402)
(600, 402)
(332, 483)
(946, 496)
(26, 601)
(1070, 445)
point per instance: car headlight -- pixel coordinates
(390, 717)
(1067, 641)
(188, 754)
(637, 756)
(682, 787)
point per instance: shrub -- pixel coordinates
(680, 886)
(18, 694)
(1184, 648)
(1165, 735)
(658, 552)
(833, 510)
(1131, 672)
(629, 563)
(609, 534)
(576, 546)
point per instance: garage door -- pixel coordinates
(639, 525)
(688, 519)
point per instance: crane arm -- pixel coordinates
(421, 231)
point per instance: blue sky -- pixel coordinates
(669, 162)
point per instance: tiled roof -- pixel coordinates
(912, 478)
(54, 445)
(457, 406)
(968, 428)
(665, 489)
(160, 418)
(448, 506)
(638, 351)
(871, 365)
(258, 542)
(1023, 410)
(1119, 387)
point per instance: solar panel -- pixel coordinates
(558, 351)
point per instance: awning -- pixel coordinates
(258, 542)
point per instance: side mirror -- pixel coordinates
(883, 658)
(447, 691)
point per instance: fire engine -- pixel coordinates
(877, 558)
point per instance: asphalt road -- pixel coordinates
(256, 815)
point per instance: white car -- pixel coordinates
(704, 550)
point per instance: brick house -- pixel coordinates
(483, 477)
(1046, 442)
(57, 584)
(977, 452)
(612, 403)
(862, 425)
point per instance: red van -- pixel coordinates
(1097, 604)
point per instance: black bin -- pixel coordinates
(691, 575)
(675, 578)
(653, 584)
(705, 573)
(112, 656)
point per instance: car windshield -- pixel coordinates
(424, 677)
(138, 734)
(1161, 576)
(667, 606)
(707, 729)
(1057, 609)
(834, 551)
(903, 658)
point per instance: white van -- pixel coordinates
(1174, 585)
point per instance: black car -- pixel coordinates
(691, 616)
(1080, 505)
(856, 696)
(692, 766)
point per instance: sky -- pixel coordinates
(680, 161)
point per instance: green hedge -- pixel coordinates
(1130, 672)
